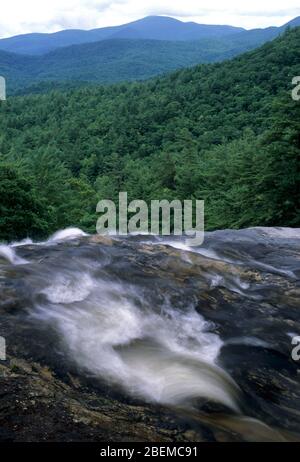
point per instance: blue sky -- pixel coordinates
(23, 16)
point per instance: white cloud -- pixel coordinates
(19, 16)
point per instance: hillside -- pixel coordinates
(225, 132)
(111, 61)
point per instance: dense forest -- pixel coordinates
(228, 133)
(112, 61)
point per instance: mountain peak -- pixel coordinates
(157, 19)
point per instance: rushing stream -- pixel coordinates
(206, 331)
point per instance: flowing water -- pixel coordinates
(129, 314)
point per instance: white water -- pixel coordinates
(66, 290)
(9, 255)
(67, 234)
(161, 354)
(26, 241)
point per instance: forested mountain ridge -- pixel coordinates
(118, 59)
(110, 61)
(227, 133)
(149, 28)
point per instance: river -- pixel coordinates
(197, 336)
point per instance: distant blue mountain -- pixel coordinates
(149, 28)
(293, 23)
(256, 37)
(122, 53)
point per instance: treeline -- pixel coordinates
(228, 133)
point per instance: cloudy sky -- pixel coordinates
(23, 16)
